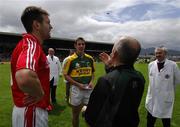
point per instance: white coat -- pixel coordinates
(161, 89)
(55, 68)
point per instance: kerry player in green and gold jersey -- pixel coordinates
(79, 71)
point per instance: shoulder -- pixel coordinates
(65, 59)
(88, 56)
(140, 75)
(111, 76)
(20, 43)
(29, 39)
(70, 59)
(28, 42)
(170, 62)
(57, 58)
(151, 63)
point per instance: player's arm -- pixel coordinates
(93, 75)
(91, 82)
(29, 83)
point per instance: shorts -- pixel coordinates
(78, 96)
(29, 116)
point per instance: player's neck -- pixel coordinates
(80, 53)
(118, 64)
(38, 37)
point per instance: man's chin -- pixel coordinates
(81, 52)
(47, 37)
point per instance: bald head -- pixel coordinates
(51, 51)
(128, 49)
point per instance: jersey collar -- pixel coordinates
(27, 35)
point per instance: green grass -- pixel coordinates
(61, 115)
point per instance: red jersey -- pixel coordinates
(28, 54)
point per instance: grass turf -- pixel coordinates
(61, 115)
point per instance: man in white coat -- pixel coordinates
(55, 68)
(164, 75)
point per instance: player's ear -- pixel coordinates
(114, 55)
(36, 25)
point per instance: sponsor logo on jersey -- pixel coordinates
(167, 76)
(77, 65)
(83, 71)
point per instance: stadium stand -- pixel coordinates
(8, 42)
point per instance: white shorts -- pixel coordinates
(29, 116)
(78, 96)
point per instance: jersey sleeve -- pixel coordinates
(28, 58)
(92, 62)
(66, 66)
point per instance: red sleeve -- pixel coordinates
(29, 55)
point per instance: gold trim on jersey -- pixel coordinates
(68, 62)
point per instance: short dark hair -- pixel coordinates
(79, 38)
(128, 50)
(30, 14)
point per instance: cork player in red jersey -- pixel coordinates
(30, 71)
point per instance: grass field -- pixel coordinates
(61, 115)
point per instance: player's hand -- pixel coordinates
(81, 86)
(104, 57)
(31, 100)
(90, 85)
